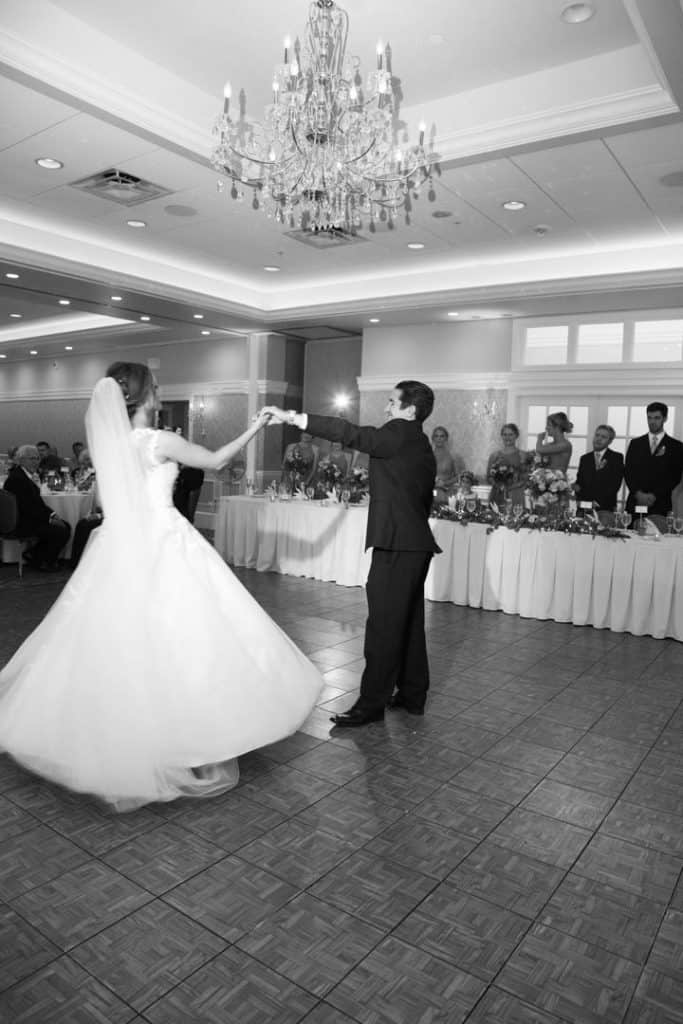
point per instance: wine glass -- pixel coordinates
(627, 519)
(678, 525)
(310, 493)
(346, 497)
(517, 511)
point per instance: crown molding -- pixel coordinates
(639, 379)
(464, 381)
(185, 391)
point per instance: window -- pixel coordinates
(600, 343)
(546, 345)
(658, 341)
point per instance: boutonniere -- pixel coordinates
(660, 451)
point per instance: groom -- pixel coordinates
(402, 472)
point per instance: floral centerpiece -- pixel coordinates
(358, 482)
(329, 475)
(297, 466)
(549, 490)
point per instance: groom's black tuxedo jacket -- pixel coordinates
(401, 479)
(656, 473)
(32, 512)
(600, 485)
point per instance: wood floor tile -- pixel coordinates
(233, 987)
(596, 776)
(524, 755)
(160, 859)
(311, 942)
(463, 810)
(431, 758)
(393, 784)
(23, 950)
(507, 878)
(658, 1000)
(398, 984)
(288, 790)
(568, 803)
(424, 845)
(667, 952)
(79, 903)
(498, 1007)
(657, 792)
(148, 953)
(230, 897)
(471, 933)
(630, 867)
(498, 781)
(376, 889)
(296, 854)
(581, 983)
(646, 825)
(540, 837)
(62, 993)
(335, 765)
(228, 822)
(616, 753)
(13, 820)
(619, 921)
(31, 858)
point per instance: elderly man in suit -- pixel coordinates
(654, 464)
(34, 517)
(600, 472)
(401, 480)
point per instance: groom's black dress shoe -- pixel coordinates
(396, 703)
(352, 717)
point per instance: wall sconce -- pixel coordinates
(198, 416)
(484, 410)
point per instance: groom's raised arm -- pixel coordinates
(380, 442)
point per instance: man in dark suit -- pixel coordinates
(600, 472)
(401, 480)
(654, 464)
(34, 517)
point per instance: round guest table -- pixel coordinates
(633, 585)
(70, 506)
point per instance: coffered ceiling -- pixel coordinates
(580, 122)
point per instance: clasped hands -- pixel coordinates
(271, 415)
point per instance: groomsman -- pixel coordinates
(654, 464)
(401, 477)
(600, 472)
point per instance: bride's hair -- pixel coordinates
(136, 383)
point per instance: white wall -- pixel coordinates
(416, 351)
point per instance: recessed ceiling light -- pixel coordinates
(416, 245)
(454, 314)
(513, 204)
(49, 163)
(117, 298)
(178, 210)
(33, 352)
(374, 320)
(272, 269)
(12, 276)
(541, 229)
(64, 302)
(2, 355)
(574, 14)
(16, 316)
(198, 316)
(136, 223)
(68, 348)
(440, 214)
(144, 317)
(205, 332)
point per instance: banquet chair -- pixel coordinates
(12, 548)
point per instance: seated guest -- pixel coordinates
(84, 477)
(446, 471)
(506, 468)
(77, 447)
(654, 463)
(34, 517)
(301, 458)
(600, 472)
(466, 482)
(49, 460)
(84, 527)
(552, 445)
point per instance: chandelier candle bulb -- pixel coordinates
(288, 43)
(227, 93)
(422, 128)
(379, 55)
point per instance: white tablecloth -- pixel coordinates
(633, 586)
(70, 506)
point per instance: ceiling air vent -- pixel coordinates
(120, 187)
(329, 238)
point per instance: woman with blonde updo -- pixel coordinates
(552, 444)
(155, 668)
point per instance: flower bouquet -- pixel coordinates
(297, 466)
(549, 490)
(358, 484)
(329, 477)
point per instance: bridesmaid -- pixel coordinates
(509, 455)
(552, 445)
(446, 471)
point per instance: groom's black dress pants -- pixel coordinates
(395, 647)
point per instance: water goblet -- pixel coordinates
(346, 497)
(627, 519)
(678, 525)
(517, 511)
(310, 493)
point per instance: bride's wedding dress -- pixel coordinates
(154, 659)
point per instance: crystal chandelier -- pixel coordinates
(327, 155)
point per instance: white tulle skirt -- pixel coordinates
(141, 672)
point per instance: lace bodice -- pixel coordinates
(160, 474)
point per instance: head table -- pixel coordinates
(633, 585)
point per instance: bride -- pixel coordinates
(155, 668)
